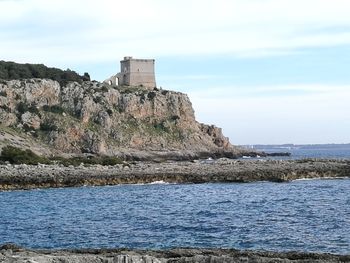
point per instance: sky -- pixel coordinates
(266, 71)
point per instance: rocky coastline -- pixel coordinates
(13, 253)
(55, 119)
(14, 177)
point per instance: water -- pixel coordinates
(307, 215)
(334, 151)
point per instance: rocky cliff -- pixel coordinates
(96, 118)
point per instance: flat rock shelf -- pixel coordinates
(14, 177)
(14, 254)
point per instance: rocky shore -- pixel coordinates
(14, 177)
(10, 254)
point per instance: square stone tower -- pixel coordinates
(137, 72)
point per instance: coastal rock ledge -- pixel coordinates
(11, 254)
(206, 171)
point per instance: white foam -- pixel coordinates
(159, 182)
(319, 178)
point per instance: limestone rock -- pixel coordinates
(7, 118)
(41, 92)
(92, 117)
(31, 120)
(189, 255)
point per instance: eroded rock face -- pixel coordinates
(30, 120)
(7, 118)
(96, 118)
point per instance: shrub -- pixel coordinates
(142, 98)
(86, 77)
(22, 107)
(104, 89)
(160, 127)
(109, 160)
(34, 109)
(12, 70)
(110, 112)
(151, 95)
(5, 108)
(48, 126)
(28, 128)
(97, 100)
(53, 109)
(119, 108)
(76, 161)
(174, 117)
(16, 155)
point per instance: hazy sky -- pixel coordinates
(266, 71)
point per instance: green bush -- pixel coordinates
(54, 109)
(22, 107)
(97, 100)
(151, 95)
(142, 98)
(16, 155)
(160, 127)
(175, 117)
(34, 109)
(104, 89)
(12, 70)
(28, 128)
(110, 112)
(109, 160)
(48, 126)
(76, 161)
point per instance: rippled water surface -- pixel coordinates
(305, 215)
(310, 151)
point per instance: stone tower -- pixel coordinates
(134, 72)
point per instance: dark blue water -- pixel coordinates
(308, 151)
(305, 215)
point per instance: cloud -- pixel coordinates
(317, 116)
(279, 92)
(61, 33)
(93, 31)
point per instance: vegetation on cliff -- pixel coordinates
(13, 71)
(15, 155)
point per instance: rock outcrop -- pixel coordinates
(12, 253)
(223, 170)
(96, 118)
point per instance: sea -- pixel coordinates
(302, 215)
(331, 151)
